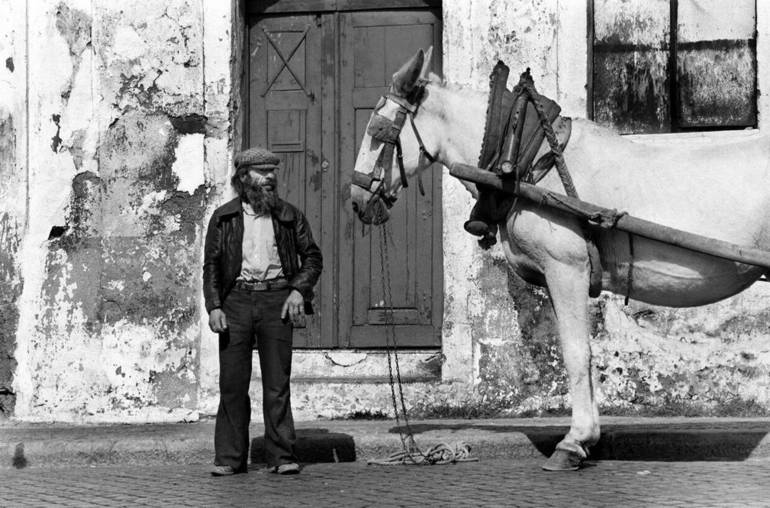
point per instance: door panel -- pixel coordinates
(285, 115)
(374, 45)
(313, 79)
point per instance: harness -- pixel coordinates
(517, 123)
(388, 132)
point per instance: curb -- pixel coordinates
(660, 439)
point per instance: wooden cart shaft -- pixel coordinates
(623, 222)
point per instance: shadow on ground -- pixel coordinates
(312, 446)
(696, 441)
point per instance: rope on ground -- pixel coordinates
(410, 452)
(437, 455)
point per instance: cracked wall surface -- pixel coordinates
(13, 194)
(125, 149)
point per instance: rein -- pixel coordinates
(410, 453)
(388, 132)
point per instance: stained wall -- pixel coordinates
(13, 193)
(128, 129)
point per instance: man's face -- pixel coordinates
(258, 188)
(261, 177)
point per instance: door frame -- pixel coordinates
(317, 6)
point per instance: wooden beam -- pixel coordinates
(624, 222)
(316, 6)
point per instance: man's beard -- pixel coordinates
(262, 200)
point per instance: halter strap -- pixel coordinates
(389, 133)
(364, 180)
(403, 102)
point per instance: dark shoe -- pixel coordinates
(222, 471)
(290, 468)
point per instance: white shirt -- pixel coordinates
(260, 253)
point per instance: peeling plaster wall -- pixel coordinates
(707, 359)
(13, 191)
(129, 132)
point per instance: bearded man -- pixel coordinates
(260, 266)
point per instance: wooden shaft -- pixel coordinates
(623, 222)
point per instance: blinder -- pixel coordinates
(387, 131)
(384, 129)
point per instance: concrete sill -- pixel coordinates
(359, 366)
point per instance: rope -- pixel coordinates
(410, 453)
(437, 455)
(553, 141)
(608, 219)
(605, 219)
(407, 441)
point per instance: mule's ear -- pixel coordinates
(427, 63)
(405, 78)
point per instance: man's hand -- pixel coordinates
(293, 307)
(217, 321)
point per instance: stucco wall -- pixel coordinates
(13, 191)
(128, 131)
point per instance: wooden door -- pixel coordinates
(286, 94)
(373, 46)
(313, 79)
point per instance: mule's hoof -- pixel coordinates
(563, 460)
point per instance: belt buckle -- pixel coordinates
(263, 285)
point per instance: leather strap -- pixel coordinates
(364, 180)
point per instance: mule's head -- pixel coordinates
(391, 149)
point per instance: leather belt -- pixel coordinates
(267, 285)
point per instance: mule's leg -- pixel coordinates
(568, 288)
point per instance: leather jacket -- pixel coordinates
(300, 256)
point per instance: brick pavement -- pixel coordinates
(489, 483)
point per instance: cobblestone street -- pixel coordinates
(496, 482)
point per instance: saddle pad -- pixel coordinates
(499, 106)
(498, 127)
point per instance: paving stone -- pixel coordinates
(495, 482)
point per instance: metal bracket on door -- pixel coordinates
(286, 62)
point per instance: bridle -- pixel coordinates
(388, 132)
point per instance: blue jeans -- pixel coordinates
(254, 322)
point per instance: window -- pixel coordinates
(673, 65)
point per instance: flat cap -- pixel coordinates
(257, 156)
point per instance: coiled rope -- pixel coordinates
(436, 455)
